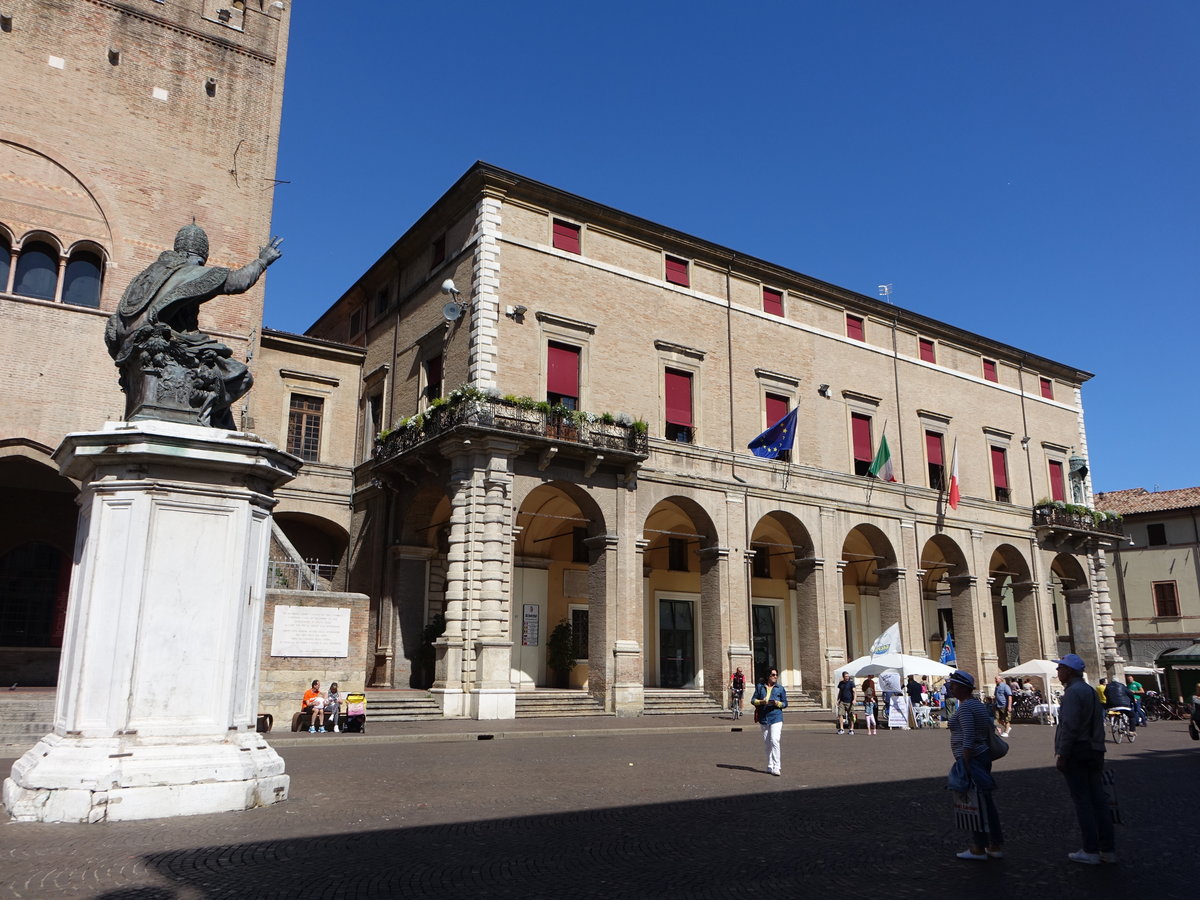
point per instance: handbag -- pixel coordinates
(968, 811)
(997, 746)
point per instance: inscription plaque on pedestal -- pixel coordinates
(310, 631)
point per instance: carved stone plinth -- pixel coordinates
(158, 684)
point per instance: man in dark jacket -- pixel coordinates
(1079, 755)
(1118, 696)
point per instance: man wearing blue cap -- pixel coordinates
(1079, 755)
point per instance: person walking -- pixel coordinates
(845, 703)
(1079, 755)
(1003, 700)
(769, 701)
(1139, 693)
(969, 743)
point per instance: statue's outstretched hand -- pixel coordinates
(271, 252)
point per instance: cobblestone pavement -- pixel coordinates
(615, 811)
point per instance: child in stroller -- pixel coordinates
(356, 713)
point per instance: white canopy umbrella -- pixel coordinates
(1036, 668)
(900, 662)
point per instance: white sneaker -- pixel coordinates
(1005, 734)
(840, 731)
(852, 731)
(1082, 856)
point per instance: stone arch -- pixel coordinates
(682, 569)
(318, 540)
(559, 575)
(947, 597)
(37, 539)
(785, 598)
(1018, 621)
(1074, 608)
(871, 587)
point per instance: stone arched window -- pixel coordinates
(81, 283)
(37, 271)
(5, 261)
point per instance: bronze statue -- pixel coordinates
(169, 368)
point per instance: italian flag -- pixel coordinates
(881, 466)
(954, 478)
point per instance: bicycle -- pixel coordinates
(735, 702)
(1118, 724)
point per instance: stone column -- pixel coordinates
(1110, 656)
(833, 602)
(493, 696)
(810, 625)
(968, 627)
(451, 648)
(158, 686)
(1081, 613)
(716, 603)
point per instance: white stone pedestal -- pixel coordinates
(159, 676)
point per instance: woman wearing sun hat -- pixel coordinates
(969, 727)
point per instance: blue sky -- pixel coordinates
(1025, 170)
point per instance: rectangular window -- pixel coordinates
(1156, 535)
(356, 323)
(383, 299)
(562, 375)
(566, 236)
(854, 327)
(433, 377)
(304, 427)
(679, 406)
(778, 406)
(1166, 600)
(860, 432)
(928, 352)
(989, 370)
(438, 251)
(936, 454)
(761, 565)
(1000, 474)
(1058, 484)
(579, 632)
(1047, 388)
(375, 414)
(772, 301)
(677, 554)
(677, 271)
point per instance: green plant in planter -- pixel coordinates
(608, 418)
(640, 426)
(560, 652)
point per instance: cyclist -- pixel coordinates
(737, 689)
(1138, 692)
(1118, 697)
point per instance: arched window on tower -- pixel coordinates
(5, 261)
(81, 284)
(37, 271)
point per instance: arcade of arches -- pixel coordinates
(658, 593)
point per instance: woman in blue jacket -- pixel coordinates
(770, 700)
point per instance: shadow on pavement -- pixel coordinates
(874, 840)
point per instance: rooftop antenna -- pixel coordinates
(885, 291)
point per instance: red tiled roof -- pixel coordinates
(1140, 500)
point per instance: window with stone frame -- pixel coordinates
(304, 426)
(1166, 600)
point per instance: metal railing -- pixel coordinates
(285, 575)
(1071, 521)
(512, 418)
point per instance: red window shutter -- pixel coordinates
(999, 467)
(566, 236)
(679, 398)
(677, 273)
(1058, 490)
(933, 448)
(772, 302)
(562, 370)
(989, 370)
(854, 327)
(1047, 388)
(860, 426)
(928, 354)
(777, 408)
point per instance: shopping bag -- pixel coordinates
(968, 811)
(1110, 793)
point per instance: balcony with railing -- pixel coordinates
(1069, 521)
(575, 432)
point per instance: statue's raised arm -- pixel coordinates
(169, 368)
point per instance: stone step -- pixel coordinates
(25, 717)
(557, 703)
(666, 702)
(401, 706)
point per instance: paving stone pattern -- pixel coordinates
(634, 813)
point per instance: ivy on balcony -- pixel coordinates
(472, 408)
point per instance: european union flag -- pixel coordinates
(948, 658)
(776, 439)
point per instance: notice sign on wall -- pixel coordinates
(530, 618)
(310, 631)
